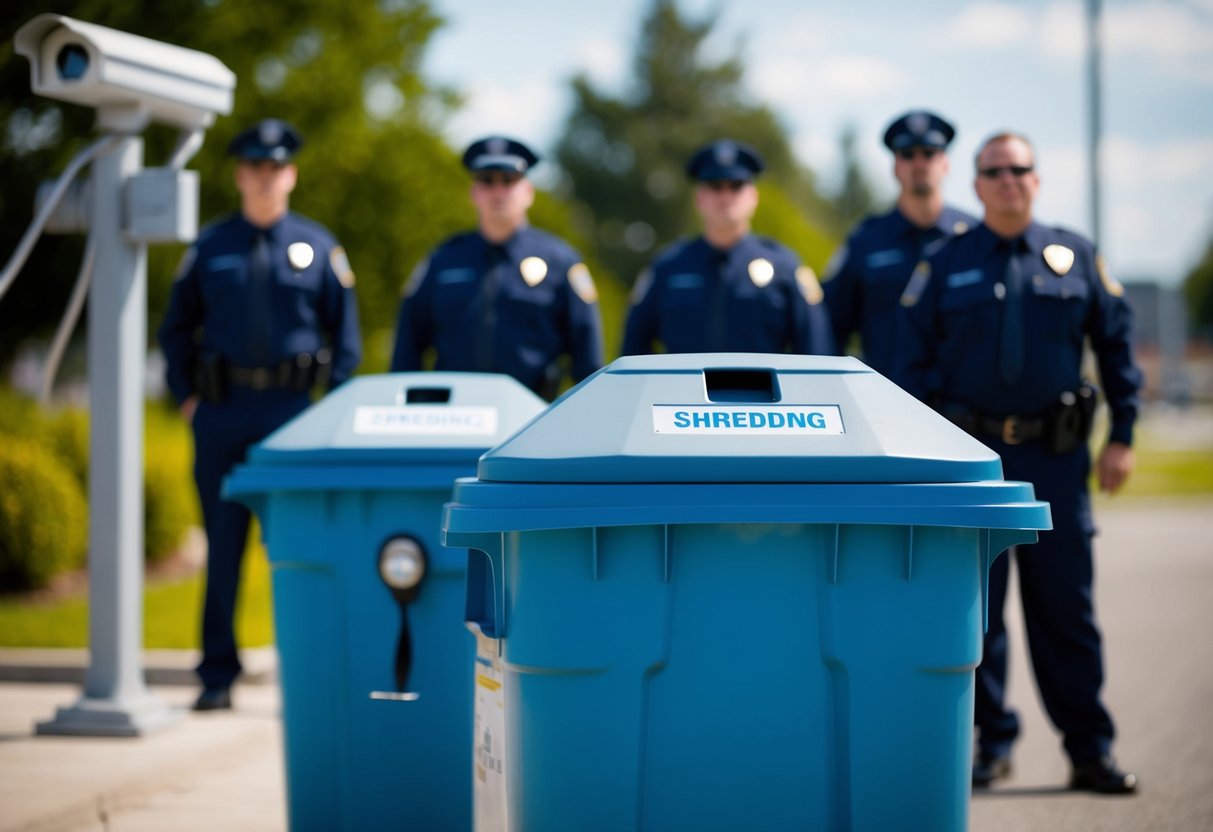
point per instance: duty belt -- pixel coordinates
(264, 378)
(1013, 430)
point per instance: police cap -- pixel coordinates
(499, 153)
(725, 159)
(919, 129)
(267, 139)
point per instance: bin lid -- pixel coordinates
(410, 423)
(739, 418)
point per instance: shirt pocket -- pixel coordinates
(970, 311)
(1060, 305)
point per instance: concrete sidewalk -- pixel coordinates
(224, 770)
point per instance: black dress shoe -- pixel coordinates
(214, 699)
(1104, 777)
(990, 767)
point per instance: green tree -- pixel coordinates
(625, 156)
(855, 198)
(1198, 292)
(345, 72)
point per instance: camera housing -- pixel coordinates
(130, 80)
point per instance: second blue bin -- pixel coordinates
(377, 698)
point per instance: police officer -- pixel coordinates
(727, 290)
(262, 309)
(865, 277)
(993, 338)
(505, 298)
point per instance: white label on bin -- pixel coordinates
(749, 419)
(425, 420)
(490, 809)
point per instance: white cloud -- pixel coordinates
(531, 109)
(987, 24)
(1163, 30)
(604, 61)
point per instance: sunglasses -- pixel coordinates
(908, 153)
(488, 180)
(733, 185)
(1015, 170)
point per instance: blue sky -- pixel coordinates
(984, 64)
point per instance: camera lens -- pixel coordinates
(72, 62)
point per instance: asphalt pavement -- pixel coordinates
(224, 770)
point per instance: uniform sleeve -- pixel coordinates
(341, 317)
(811, 332)
(843, 288)
(181, 322)
(640, 329)
(584, 322)
(916, 365)
(414, 326)
(1111, 330)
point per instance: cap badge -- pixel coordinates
(270, 133)
(300, 256)
(726, 154)
(496, 146)
(761, 271)
(533, 270)
(1059, 259)
(918, 123)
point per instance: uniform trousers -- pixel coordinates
(1056, 578)
(223, 433)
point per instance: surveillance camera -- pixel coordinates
(131, 80)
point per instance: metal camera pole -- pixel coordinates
(131, 81)
(116, 700)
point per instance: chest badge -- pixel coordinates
(300, 256)
(761, 272)
(533, 270)
(1059, 258)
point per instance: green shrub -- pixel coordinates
(170, 506)
(43, 517)
(67, 436)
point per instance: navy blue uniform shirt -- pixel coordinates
(512, 308)
(308, 304)
(755, 297)
(864, 280)
(951, 331)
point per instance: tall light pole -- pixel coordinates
(1094, 113)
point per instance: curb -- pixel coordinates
(160, 667)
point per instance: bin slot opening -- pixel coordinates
(427, 395)
(741, 385)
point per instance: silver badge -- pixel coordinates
(496, 146)
(761, 271)
(533, 270)
(1059, 258)
(918, 123)
(300, 255)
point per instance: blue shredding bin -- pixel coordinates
(731, 591)
(371, 462)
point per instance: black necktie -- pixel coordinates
(260, 269)
(1011, 348)
(716, 334)
(489, 285)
